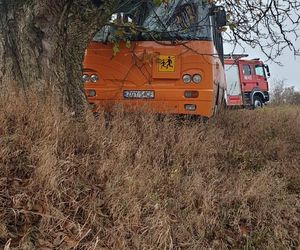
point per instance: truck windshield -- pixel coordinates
(259, 70)
(174, 19)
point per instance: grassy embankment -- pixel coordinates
(137, 182)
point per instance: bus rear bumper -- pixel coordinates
(186, 107)
(165, 100)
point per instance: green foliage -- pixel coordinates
(158, 2)
(232, 26)
(116, 48)
(128, 44)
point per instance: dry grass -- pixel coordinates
(136, 181)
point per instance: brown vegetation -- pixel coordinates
(282, 94)
(138, 181)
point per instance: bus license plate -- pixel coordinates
(138, 94)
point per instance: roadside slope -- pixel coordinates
(134, 181)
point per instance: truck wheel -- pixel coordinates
(257, 102)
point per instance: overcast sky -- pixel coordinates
(290, 71)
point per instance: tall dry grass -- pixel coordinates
(138, 181)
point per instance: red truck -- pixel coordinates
(246, 80)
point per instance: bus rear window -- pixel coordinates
(175, 19)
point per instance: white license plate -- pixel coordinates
(138, 94)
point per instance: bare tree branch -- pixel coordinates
(269, 25)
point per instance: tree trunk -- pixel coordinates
(42, 43)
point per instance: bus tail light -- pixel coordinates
(190, 107)
(90, 78)
(85, 78)
(91, 93)
(197, 78)
(191, 94)
(94, 78)
(186, 78)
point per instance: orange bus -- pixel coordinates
(167, 57)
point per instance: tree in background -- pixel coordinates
(282, 94)
(42, 42)
(271, 25)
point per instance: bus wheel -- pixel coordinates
(257, 102)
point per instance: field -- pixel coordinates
(139, 181)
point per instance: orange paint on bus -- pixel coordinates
(141, 68)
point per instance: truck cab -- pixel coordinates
(246, 81)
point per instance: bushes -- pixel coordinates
(136, 181)
(282, 94)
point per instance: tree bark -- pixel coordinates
(42, 43)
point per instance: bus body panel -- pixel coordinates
(139, 68)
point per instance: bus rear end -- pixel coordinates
(174, 72)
